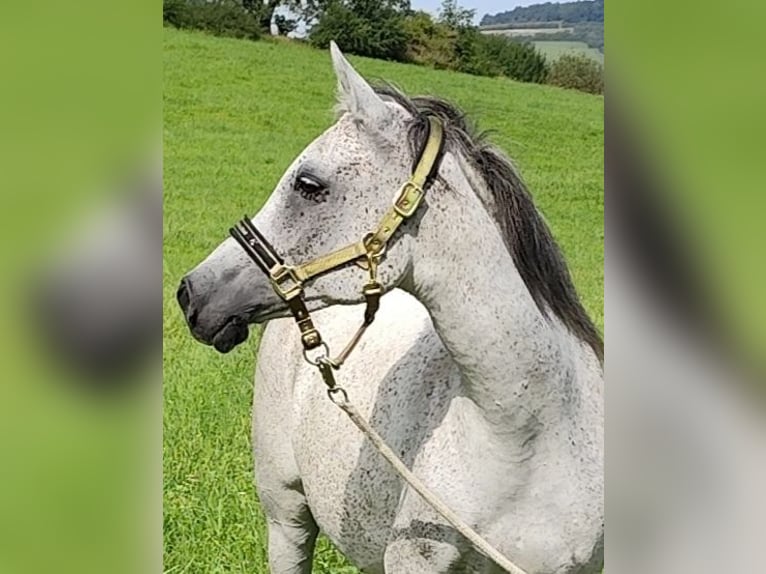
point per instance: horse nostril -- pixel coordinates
(184, 300)
(183, 294)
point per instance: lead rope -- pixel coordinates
(436, 503)
(339, 397)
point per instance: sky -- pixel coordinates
(481, 6)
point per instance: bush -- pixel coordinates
(368, 29)
(577, 72)
(489, 55)
(175, 13)
(220, 17)
(517, 60)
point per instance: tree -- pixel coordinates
(263, 10)
(363, 27)
(430, 43)
(308, 11)
(454, 16)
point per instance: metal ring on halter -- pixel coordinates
(337, 392)
(324, 355)
(378, 250)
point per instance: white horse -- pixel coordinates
(482, 370)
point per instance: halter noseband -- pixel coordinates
(288, 280)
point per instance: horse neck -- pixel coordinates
(513, 360)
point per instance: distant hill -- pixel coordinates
(581, 21)
(570, 12)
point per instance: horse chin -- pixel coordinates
(233, 333)
(235, 330)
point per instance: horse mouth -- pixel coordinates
(233, 333)
(236, 329)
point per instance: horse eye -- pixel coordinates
(310, 188)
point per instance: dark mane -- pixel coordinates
(527, 237)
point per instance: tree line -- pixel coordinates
(384, 29)
(570, 12)
(585, 17)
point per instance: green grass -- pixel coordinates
(554, 49)
(236, 113)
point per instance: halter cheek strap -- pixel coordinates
(288, 281)
(269, 261)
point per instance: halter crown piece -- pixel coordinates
(288, 280)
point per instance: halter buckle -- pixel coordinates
(408, 199)
(280, 274)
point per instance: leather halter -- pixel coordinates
(288, 280)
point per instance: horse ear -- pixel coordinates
(355, 95)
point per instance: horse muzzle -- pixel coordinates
(223, 332)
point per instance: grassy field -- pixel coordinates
(236, 113)
(553, 50)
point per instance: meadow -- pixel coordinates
(554, 49)
(236, 113)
